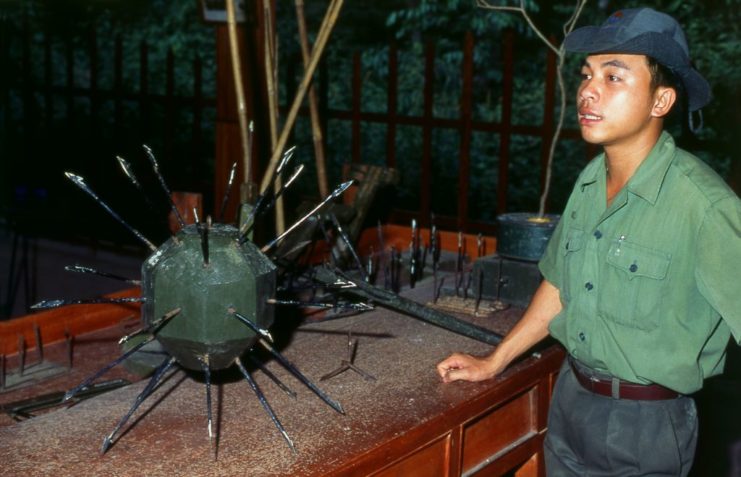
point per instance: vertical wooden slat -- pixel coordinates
(356, 92)
(426, 175)
(391, 106)
(169, 106)
(506, 120)
(548, 113)
(464, 158)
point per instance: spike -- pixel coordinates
(265, 404)
(156, 168)
(290, 367)
(156, 378)
(79, 181)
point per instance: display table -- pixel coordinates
(406, 422)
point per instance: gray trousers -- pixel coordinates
(591, 435)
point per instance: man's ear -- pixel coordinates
(664, 99)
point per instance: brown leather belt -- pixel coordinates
(625, 390)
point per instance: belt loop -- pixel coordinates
(615, 388)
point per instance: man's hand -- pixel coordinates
(460, 366)
(532, 328)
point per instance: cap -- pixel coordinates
(647, 32)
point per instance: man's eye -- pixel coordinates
(613, 78)
(585, 76)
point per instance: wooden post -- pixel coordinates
(316, 126)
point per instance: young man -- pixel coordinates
(641, 275)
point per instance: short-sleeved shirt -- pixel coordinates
(651, 285)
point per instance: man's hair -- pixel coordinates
(663, 76)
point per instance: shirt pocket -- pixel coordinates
(634, 285)
(573, 244)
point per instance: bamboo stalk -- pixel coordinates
(238, 87)
(330, 18)
(316, 126)
(270, 80)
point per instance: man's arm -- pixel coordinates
(532, 328)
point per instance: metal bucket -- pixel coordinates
(524, 236)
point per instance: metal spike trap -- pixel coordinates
(79, 181)
(156, 168)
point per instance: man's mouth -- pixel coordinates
(589, 116)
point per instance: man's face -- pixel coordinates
(615, 102)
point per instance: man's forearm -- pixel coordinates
(531, 329)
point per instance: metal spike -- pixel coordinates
(203, 229)
(156, 378)
(261, 206)
(46, 304)
(290, 367)
(272, 376)
(348, 243)
(253, 326)
(265, 404)
(126, 168)
(71, 393)
(228, 191)
(207, 376)
(92, 271)
(39, 344)
(318, 304)
(336, 193)
(21, 354)
(156, 168)
(79, 181)
(153, 327)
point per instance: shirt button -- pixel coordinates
(633, 267)
(588, 286)
(573, 215)
(597, 234)
(582, 336)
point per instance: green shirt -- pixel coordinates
(650, 286)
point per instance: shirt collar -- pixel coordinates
(648, 178)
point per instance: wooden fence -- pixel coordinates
(40, 93)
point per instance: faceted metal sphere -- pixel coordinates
(237, 278)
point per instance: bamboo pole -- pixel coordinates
(238, 87)
(270, 80)
(330, 18)
(316, 126)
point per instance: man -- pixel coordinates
(641, 275)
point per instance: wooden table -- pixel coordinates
(405, 423)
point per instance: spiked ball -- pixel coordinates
(208, 285)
